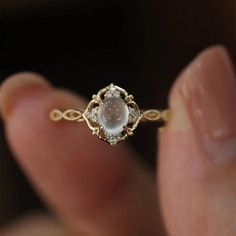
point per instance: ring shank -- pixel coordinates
(155, 115)
(69, 114)
(77, 115)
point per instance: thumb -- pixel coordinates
(197, 164)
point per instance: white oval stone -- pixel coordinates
(113, 115)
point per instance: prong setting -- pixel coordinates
(112, 114)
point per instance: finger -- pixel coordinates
(37, 224)
(97, 188)
(197, 167)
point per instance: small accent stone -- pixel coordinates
(133, 114)
(93, 114)
(112, 93)
(113, 138)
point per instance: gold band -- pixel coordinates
(77, 115)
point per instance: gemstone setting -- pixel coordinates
(112, 114)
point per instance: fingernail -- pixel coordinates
(18, 86)
(209, 90)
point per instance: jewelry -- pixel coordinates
(112, 114)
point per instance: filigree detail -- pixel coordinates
(70, 114)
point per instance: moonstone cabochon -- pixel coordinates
(113, 115)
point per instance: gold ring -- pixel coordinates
(112, 114)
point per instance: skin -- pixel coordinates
(94, 189)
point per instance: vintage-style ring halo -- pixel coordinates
(112, 114)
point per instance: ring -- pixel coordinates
(112, 114)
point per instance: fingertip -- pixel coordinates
(79, 175)
(180, 94)
(197, 158)
(16, 86)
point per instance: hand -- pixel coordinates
(95, 189)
